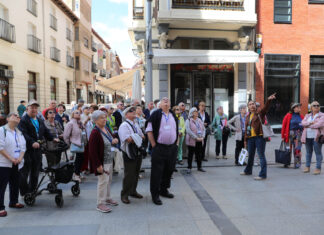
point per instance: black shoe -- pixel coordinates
(157, 201)
(136, 195)
(42, 170)
(201, 169)
(142, 170)
(205, 160)
(115, 173)
(167, 194)
(180, 162)
(125, 200)
(175, 170)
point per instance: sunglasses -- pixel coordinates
(177, 109)
(316, 105)
(50, 112)
(76, 113)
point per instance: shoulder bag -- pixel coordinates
(266, 129)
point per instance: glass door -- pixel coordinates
(202, 89)
(181, 89)
(223, 92)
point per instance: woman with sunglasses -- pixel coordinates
(75, 135)
(56, 130)
(12, 151)
(313, 127)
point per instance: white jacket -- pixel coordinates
(8, 143)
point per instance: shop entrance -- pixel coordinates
(213, 84)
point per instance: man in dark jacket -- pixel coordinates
(204, 116)
(162, 131)
(118, 114)
(34, 131)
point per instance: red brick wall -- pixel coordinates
(304, 37)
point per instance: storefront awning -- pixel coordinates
(183, 56)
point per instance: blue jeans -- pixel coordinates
(310, 145)
(256, 143)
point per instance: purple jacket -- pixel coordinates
(192, 131)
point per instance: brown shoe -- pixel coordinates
(317, 171)
(137, 195)
(125, 200)
(306, 170)
(3, 213)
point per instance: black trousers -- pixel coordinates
(197, 150)
(238, 148)
(222, 142)
(132, 169)
(79, 157)
(163, 164)
(204, 147)
(30, 171)
(53, 159)
(11, 176)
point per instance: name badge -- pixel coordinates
(17, 153)
(167, 127)
(199, 132)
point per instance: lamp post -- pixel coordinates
(149, 53)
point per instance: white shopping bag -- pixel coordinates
(243, 156)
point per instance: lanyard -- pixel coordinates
(36, 125)
(16, 140)
(166, 117)
(109, 137)
(133, 127)
(242, 122)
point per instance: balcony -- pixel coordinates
(53, 22)
(32, 7)
(34, 44)
(209, 14)
(103, 73)
(7, 31)
(94, 68)
(55, 54)
(138, 13)
(68, 34)
(232, 5)
(6, 73)
(69, 61)
(94, 46)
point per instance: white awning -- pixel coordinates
(183, 56)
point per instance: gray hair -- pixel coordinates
(192, 110)
(219, 107)
(97, 114)
(11, 114)
(242, 106)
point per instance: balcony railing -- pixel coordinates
(68, 34)
(94, 68)
(6, 73)
(32, 7)
(55, 54)
(138, 13)
(103, 73)
(69, 61)
(209, 4)
(94, 46)
(34, 44)
(53, 22)
(7, 31)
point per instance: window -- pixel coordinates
(77, 62)
(316, 76)
(76, 33)
(68, 92)
(316, 1)
(201, 43)
(78, 94)
(86, 42)
(32, 86)
(53, 89)
(282, 11)
(281, 75)
(32, 7)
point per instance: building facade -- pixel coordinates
(203, 50)
(291, 41)
(36, 53)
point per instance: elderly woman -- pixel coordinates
(182, 131)
(75, 135)
(222, 131)
(61, 116)
(314, 128)
(56, 130)
(195, 139)
(237, 123)
(12, 150)
(101, 158)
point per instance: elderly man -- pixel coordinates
(118, 114)
(183, 111)
(52, 105)
(128, 130)
(147, 111)
(79, 104)
(162, 131)
(34, 131)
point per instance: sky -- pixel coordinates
(109, 19)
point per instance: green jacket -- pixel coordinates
(182, 126)
(111, 123)
(216, 127)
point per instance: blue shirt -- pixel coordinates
(36, 124)
(295, 122)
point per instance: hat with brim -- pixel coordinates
(33, 102)
(128, 110)
(294, 105)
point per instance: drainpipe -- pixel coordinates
(44, 50)
(149, 53)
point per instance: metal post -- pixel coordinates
(149, 54)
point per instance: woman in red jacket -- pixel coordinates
(101, 159)
(291, 132)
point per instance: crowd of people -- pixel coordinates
(101, 138)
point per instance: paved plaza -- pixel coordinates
(217, 202)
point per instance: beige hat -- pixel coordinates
(129, 109)
(33, 102)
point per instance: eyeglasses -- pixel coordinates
(316, 105)
(50, 112)
(76, 113)
(177, 109)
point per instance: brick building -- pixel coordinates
(291, 62)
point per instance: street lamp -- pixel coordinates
(149, 53)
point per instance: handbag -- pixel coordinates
(76, 149)
(243, 156)
(266, 129)
(283, 154)
(321, 139)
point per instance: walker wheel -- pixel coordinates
(29, 199)
(59, 201)
(75, 189)
(51, 187)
